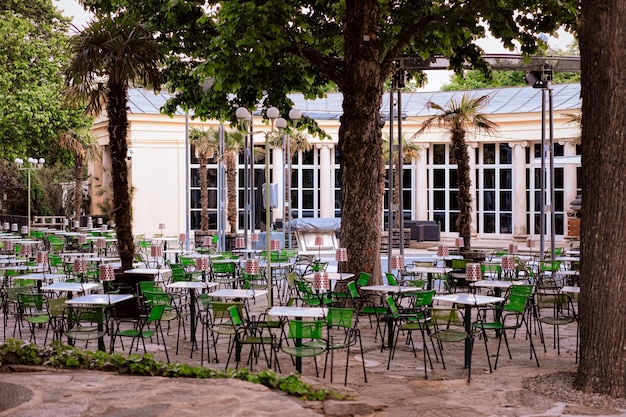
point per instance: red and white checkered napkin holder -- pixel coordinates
(107, 273)
(202, 264)
(458, 242)
(240, 242)
(80, 265)
(156, 251)
(442, 250)
(320, 281)
(508, 263)
(252, 267)
(275, 244)
(101, 243)
(512, 248)
(8, 245)
(206, 241)
(42, 257)
(25, 251)
(397, 262)
(82, 239)
(472, 272)
(530, 242)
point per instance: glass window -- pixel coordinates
(506, 201)
(453, 218)
(308, 178)
(506, 223)
(439, 200)
(439, 178)
(439, 154)
(489, 153)
(489, 178)
(506, 179)
(454, 178)
(490, 223)
(489, 203)
(506, 154)
(454, 200)
(308, 201)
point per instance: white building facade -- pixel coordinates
(506, 167)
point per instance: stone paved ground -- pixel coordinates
(399, 391)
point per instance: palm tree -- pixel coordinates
(84, 149)
(457, 118)
(106, 58)
(206, 145)
(410, 152)
(233, 145)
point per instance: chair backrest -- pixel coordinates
(391, 279)
(448, 317)
(352, 291)
(460, 264)
(29, 283)
(144, 286)
(340, 317)
(299, 329)
(156, 313)
(56, 306)
(423, 298)
(32, 301)
(223, 267)
(525, 290)
(220, 308)
(549, 266)
(516, 303)
(364, 279)
(185, 261)
(235, 317)
(393, 307)
(157, 298)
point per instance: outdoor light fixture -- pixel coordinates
(33, 164)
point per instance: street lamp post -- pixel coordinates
(294, 115)
(245, 116)
(33, 164)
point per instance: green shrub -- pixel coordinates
(59, 355)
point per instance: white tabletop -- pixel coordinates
(146, 271)
(192, 284)
(428, 269)
(568, 258)
(488, 283)
(263, 264)
(570, 290)
(468, 299)
(237, 293)
(166, 239)
(292, 311)
(33, 268)
(333, 276)
(70, 286)
(99, 299)
(390, 288)
(39, 276)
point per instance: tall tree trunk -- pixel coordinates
(122, 205)
(464, 221)
(231, 185)
(360, 142)
(78, 185)
(204, 194)
(603, 268)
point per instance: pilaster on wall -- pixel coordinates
(420, 189)
(326, 187)
(520, 231)
(472, 165)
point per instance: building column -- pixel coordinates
(278, 177)
(325, 185)
(569, 176)
(420, 186)
(471, 151)
(520, 231)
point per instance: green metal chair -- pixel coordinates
(251, 335)
(343, 333)
(307, 340)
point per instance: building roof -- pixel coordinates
(505, 100)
